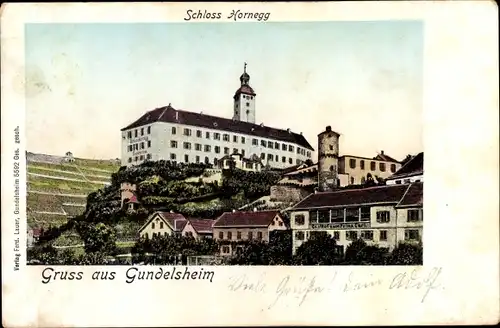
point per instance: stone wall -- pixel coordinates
(288, 193)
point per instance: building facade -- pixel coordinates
(167, 133)
(163, 224)
(358, 169)
(383, 215)
(198, 228)
(412, 171)
(242, 226)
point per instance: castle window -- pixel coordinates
(283, 159)
(383, 234)
(207, 160)
(372, 166)
(352, 180)
(129, 134)
(135, 133)
(217, 149)
(172, 157)
(263, 156)
(238, 235)
(174, 130)
(161, 225)
(299, 151)
(259, 234)
(331, 147)
(270, 157)
(149, 143)
(411, 234)
(352, 163)
(276, 145)
(336, 235)
(235, 138)
(130, 159)
(250, 235)
(235, 150)
(186, 158)
(221, 235)
(270, 144)
(290, 160)
(197, 159)
(229, 235)
(393, 168)
(332, 168)
(187, 145)
(225, 137)
(148, 156)
(283, 147)
(255, 142)
(243, 152)
(226, 150)
(309, 154)
(367, 235)
(173, 144)
(248, 112)
(242, 140)
(351, 235)
(152, 225)
(197, 147)
(136, 158)
(207, 148)
(413, 216)
(225, 249)
(277, 158)
(381, 167)
(207, 135)
(290, 148)
(198, 133)
(142, 131)
(352, 214)
(362, 164)
(149, 130)
(216, 136)
(251, 97)
(142, 157)
(383, 216)
(263, 143)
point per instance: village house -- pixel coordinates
(238, 161)
(412, 171)
(33, 236)
(242, 226)
(382, 215)
(163, 224)
(198, 228)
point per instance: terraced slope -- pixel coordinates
(58, 188)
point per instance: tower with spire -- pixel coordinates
(244, 99)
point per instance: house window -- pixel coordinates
(226, 150)
(149, 143)
(381, 167)
(225, 137)
(172, 157)
(393, 168)
(336, 235)
(149, 130)
(152, 225)
(299, 151)
(383, 216)
(283, 159)
(398, 181)
(198, 133)
(238, 235)
(383, 234)
(309, 154)
(221, 235)
(173, 144)
(186, 158)
(363, 180)
(290, 148)
(352, 214)
(352, 163)
(235, 150)
(270, 144)
(207, 148)
(263, 143)
(135, 133)
(324, 216)
(161, 225)
(142, 157)
(283, 147)
(412, 234)
(262, 156)
(276, 158)
(142, 131)
(154, 234)
(299, 219)
(217, 149)
(197, 159)
(249, 165)
(367, 234)
(136, 158)
(351, 235)
(207, 135)
(299, 235)
(362, 164)
(365, 214)
(242, 140)
(372, 166)
(337, 215)
(225, 249)
(413, 216)
(243, 152)
(290, 161)
(280, 224)
(255, 142)
(229, 235)
(130, 159)
(207, 160)
(197, 147)
(270, 157)
(187, 145)
(352, 180)
(276, 145)
(129, 134)
(259, 235)
(174, 130)
(187, 132)
(235, 138)
(216, 136)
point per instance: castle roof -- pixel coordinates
(246, 219)
(169, 114)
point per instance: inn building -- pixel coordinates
(382, 215)
(167, 133)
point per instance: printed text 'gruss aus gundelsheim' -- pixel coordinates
(234, 15)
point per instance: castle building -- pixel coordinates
(167, 133)
(328, 159)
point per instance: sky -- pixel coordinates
(84, 82)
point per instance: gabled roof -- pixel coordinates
(201, 225)
(351, 197)
(246, 219)
(175, 221)
(170, 115)
(414, 196)
(384, 157)
(414, 166)
(133, 199)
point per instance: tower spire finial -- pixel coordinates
(245, 68)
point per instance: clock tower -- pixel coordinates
(244, 100)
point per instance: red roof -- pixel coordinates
(175, 220)
(202, 225)
(246, 89)
(247, 219)
(170, 115)
(133, 199)
(373, 195)
(414, 196)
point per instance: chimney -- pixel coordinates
(255, 209)
(328, 128)
(288, 130)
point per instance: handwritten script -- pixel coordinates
(300, 289)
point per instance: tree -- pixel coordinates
(320, 249)
(252, 253)
(359, 253)
(280, 248)
(407, 254)
(99, 238)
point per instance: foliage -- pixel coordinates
(359, 253)
(280, 248)
(98, 237)
(407, 254)
(320, 249)
(253, 184)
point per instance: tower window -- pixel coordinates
(332, 168)
(248, 112)
(251, 97)
(248, 104)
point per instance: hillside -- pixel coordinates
(58, 186)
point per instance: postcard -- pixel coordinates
(226, 164)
